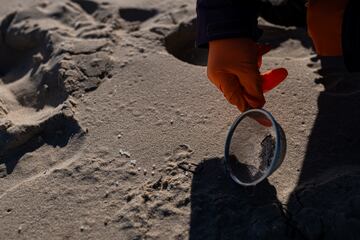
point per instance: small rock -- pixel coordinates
(38, 58)
(133, 162)
(139, 169)
(20, 229)
(82, 228)
(124, 153)
(145, 171)
(5, 124)
(119, 136)
(107, 220)
(153, 166)
(107, 194)
(73, 102)
(131, 172)
(153, 173)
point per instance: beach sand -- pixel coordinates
(109, 129)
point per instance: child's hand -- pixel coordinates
(233, 66)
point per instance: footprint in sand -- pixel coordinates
(166, 198)
(50, 55)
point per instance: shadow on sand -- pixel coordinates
(221, 209)
(57, 133)
(324, 205)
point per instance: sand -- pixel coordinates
(251, 150)
(109, 129)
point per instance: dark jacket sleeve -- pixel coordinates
(351, 36)
(219, 19)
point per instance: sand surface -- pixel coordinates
(109, 129)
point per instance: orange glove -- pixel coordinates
(324, 19)
(233, 66)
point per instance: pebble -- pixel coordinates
(145, 171)
(139, 169)
(153, 173)
(119, 136)
(73, 102)
(124, 153)
(153, 166)
(20, 229)
(106, 221)
(133, 162)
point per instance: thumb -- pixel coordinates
(273, 78)
(262, 49)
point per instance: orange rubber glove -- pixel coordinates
(324, 19)
(233, 66)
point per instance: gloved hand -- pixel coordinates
(233, 66)
(324, 19)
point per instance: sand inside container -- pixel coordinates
(251, 150)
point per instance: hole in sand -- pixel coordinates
(137, 14)
(181, 44)
(5, 62)
(286, 41)
(88, 6)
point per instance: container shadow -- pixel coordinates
(221, 209)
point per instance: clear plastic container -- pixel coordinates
(255, 147)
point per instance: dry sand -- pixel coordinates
(109, 129)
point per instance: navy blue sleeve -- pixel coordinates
(219, 19)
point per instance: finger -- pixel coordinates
(261, 119)
(262, 49)
(214, 77)
(251, 82)
(272, 78)
(254, 101)
(233, 91)
(229, 85)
